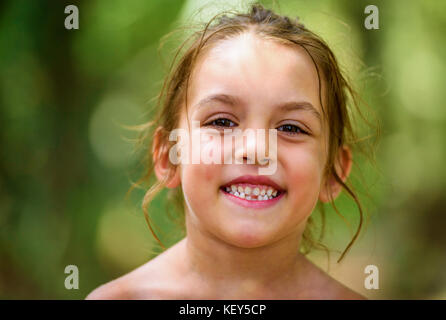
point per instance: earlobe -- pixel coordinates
(331, 187)
(163, 169)
(175, 180)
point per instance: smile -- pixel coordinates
(252, 196)
(253, 193)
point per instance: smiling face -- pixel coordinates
(249, 82)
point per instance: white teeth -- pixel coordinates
(253, 194)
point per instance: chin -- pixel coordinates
(249, 239)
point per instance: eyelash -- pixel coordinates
(292, 133)
(209, 123)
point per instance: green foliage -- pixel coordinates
(67, 162)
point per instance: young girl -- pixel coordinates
(244, 230)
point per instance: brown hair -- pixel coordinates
(267, 24)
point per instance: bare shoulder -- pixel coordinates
(145, 282)
(127, 287)
(328, 288)
(341, 292)
(113, 290)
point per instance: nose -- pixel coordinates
(256, 150)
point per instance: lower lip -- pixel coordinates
(254, 204)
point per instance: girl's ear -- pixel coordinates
(163, 168)
(331, 187)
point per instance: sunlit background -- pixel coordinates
(67, 160)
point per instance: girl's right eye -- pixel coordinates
(220, 122)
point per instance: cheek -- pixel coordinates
(200, 181)
(200, 185)
(304, 172)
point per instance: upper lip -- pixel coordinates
(255, 180)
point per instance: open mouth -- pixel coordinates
(250, 192)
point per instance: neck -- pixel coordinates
(241, 271)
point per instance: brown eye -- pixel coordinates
(221, 122)
(291, 129)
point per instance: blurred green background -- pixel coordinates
(66, 161)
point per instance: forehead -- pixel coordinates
(257, 69)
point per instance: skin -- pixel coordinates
(233, 252)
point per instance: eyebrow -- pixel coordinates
(302, 105)
(223, 98)
(287, 106)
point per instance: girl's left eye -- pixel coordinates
(221, 122)
(291, 129)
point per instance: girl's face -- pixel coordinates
(258, 84)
